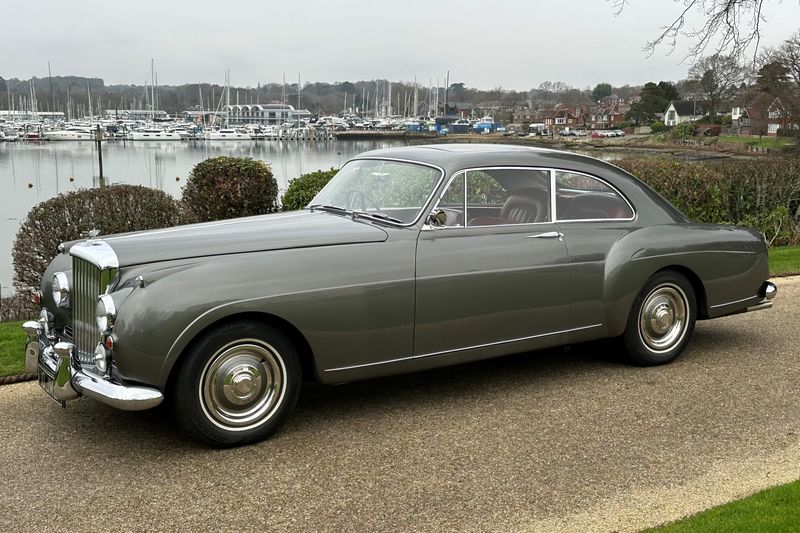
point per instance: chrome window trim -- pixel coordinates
(427, 202)
(465, 348)
(428, 227)
(601, 180)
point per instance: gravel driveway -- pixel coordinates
(544, 441)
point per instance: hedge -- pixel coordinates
(229, 187)
(760, 193)
(303, 189)
(66, 217)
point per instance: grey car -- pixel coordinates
(409, 259)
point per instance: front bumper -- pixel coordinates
(57, 360)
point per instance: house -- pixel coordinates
(606, 117)
(778, 117)
(679, 111)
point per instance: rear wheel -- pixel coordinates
(238, 384)
(661, 320)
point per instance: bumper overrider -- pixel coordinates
(56, 365)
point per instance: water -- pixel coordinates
(33, 172)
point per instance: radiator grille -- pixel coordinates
(87, 286)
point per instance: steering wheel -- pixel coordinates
(360, 199)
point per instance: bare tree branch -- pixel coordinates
(731, 27)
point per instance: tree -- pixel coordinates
(717, 77)
(601, 90)
(653, 99)
(773, 78)
(668, 90)
(734, 25)
(789, 55)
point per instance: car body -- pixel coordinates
(409, 259)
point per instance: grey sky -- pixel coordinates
(515, 44)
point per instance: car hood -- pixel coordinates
(277, 231)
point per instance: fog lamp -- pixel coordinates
(101, 358)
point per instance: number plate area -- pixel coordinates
(47, 381)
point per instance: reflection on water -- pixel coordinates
(33, 172)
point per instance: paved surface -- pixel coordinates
(538, 442)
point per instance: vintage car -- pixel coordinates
(409, 259)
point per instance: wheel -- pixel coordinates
(661, 320)
(237, 385)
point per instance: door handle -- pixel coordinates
(548, 235)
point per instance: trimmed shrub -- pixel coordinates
(760, 193)
(229, 187)
(113, 209)
(303, 189)
(684, 130)
(658, 127)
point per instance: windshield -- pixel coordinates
(390, 190)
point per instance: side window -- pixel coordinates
(507, 196)
(582, 197)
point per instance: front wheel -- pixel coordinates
(661, 320)
(238, 384)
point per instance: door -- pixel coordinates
(496, 272)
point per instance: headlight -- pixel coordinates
(106, 313)
(61, 289)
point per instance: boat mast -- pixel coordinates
(152, 89)
(89, 91)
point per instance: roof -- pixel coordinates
(456, 156)
(688, 108)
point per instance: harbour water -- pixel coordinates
(33, 172)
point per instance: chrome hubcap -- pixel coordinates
(663, 318)
(242, 385)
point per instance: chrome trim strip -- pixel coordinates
(97, 252)
(734, 302)
(456, 350)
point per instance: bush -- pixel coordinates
(303, 189)
(114, 209)
(763, 194)
(658, 127)
(684, 130)
(229, 187)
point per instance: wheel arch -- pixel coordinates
(697, 286)
(307, 361)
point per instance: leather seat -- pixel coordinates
(594, 206)
(525, 207)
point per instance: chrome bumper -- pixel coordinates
(767, 291)
(58, 360)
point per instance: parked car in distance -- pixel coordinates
(409, 259)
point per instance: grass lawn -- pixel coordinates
(774, 509)
(784, 260)
(12, 349)
(763, 142)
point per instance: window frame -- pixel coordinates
(553, 207)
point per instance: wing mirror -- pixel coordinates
(437, 218)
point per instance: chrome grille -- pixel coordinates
(86, 287)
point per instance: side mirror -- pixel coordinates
(438, 218)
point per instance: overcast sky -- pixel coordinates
(515, 44)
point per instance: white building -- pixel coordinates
(266, 114)
(680, 111)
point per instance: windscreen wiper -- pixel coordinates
(376, 214)
(328, 207)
